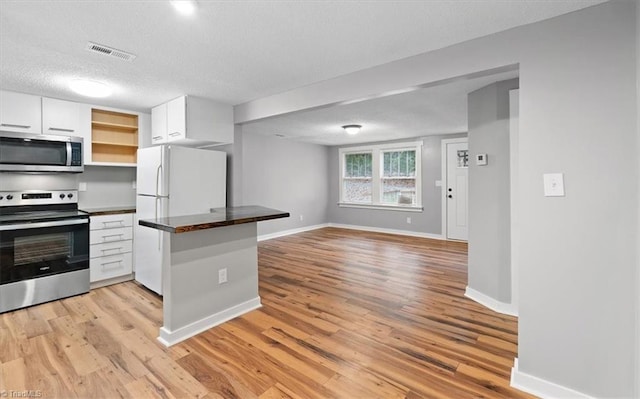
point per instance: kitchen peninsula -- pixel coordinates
(212, 273)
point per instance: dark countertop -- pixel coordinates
(110, 210)
(219, 217)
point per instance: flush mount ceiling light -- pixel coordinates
(90, 88)
(352, 129)
(185, 7)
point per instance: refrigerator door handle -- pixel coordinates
(156, 214)
(158, 172)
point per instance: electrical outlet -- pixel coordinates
(222, 276)
(134, 185)
(82, 186)
(408, 220)
(301, 218)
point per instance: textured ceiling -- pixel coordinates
(233, 51)
(434, 110)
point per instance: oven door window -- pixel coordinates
(17, 151)
(38, 252)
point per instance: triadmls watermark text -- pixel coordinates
(29, 393)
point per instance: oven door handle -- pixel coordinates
(39, 225)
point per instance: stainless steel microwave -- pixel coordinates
(20, 152)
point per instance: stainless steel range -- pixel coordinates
(44, 247)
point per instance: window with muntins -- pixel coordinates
(398, 180)
(357, 179)
(381, 175)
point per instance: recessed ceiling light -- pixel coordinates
(352, 129)
(185, 7)
(90, 88)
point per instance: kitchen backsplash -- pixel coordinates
(107, 186)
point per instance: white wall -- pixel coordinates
(578, 113)
(285, 175)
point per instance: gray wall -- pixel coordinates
(107, 186)
(428, 221)
(490, 191)
(579, 253)
(286, 175)
(638, 236)
(578, 111)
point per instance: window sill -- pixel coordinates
(401, 208)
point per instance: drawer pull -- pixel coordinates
(59, 129)
(104, 251)
(157, 137)
(174, 134)
(111, 263)
(119, 237)
(120, 222)
(19, 126)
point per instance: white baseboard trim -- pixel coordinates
(493, 304)
(542, 388)
(388, 231)
(283, 233)
(168, 338)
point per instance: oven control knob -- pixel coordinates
(1, 197)
(69, 195)
(9, 197)
(61, 196)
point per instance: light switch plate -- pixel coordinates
(553, 185)
(82, 186)
(481, 159)
(438, 183)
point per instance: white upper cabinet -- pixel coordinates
(177, 118)
(61, 117)
(20, 112)
(192, 121)
(159, 124)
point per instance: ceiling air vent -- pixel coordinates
(110, 52)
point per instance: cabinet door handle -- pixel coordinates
(156, 137)
(174, 134)
(111, 263)
(120, 222)
(12, 125)
(59, 129)
(119, 249)
(104, 238)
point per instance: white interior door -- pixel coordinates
(456, 193)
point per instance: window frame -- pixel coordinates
(377, 152)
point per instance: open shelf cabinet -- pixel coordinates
(114, 136)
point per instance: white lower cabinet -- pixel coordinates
(111, 246)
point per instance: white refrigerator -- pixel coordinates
(172, 181)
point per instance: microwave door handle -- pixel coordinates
(68, 153)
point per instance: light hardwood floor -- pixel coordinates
(345, 314)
